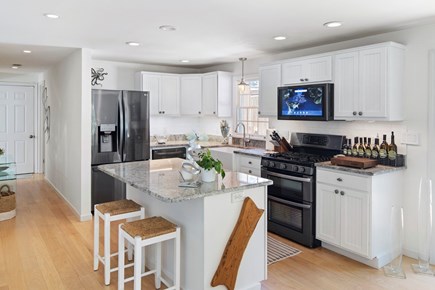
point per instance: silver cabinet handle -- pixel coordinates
(32, 136)
(354, 113)
(336, 191)
(342, 192)
(360, 113)
(339, 179)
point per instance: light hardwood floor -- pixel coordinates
(46, 247)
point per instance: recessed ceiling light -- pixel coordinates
(332, 24)
(185, 60)
(167, 28)
(51, 15)
(280, 38)
(16, 66)
(27, 51)
(132, 43)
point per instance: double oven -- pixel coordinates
(292, 197)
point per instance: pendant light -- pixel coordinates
(243, 86)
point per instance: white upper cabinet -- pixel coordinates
(368, 83)
(191, 94)
(311, 70)
(270, 80)
(216, 94)
(164, 92)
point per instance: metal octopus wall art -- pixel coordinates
(97, 76)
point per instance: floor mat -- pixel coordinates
(277, 251)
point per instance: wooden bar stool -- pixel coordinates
(108, 212)
(142, 233)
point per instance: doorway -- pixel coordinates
(17, 125)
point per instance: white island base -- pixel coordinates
(206, 225)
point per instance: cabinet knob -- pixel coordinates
(360, 113)
(306, 80)
(214, 113)
(163, 112)
(301, 80)
(160, 112)
(250, 162)
(342, 192)
(354, 113)
(32, 136)
(336, 191)
(259, 113)
(339, 179)
(199, 112)
(250, 171)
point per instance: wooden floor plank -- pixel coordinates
(47, 247)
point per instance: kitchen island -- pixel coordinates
(207, 216)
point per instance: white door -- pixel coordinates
(150, 83)
(209, 93)
(318, 69)
(346, 90)
(328, 214)
(270, 80)
(17, 125)
(292, 72)
(169, 94)
(191, 94)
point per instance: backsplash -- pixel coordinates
(251, 143)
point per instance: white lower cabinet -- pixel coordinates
(248, 164)
(353, 213)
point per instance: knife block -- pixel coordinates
(279, 149)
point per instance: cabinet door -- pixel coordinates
(150, 83)
(328, 214)
(373, 80)
(191, 94)
(209, 94)
(318, 69)
(346, 89)
(355, 221)
(292, 72)
(169, 94)
(270, 80)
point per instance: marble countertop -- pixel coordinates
(378, 169)
(253, 151)
(160, 179)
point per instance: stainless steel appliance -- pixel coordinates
(168, 152)
(120, 133)
(292, 197)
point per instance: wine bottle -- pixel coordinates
(383, 148)
(392, 148)
(375, 149)
(361, 148)
(349, 147)
(344, 148)
(368, 152)
(355, 147)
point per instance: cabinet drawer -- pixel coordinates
(251, 171)
(250, 161)
(340, 179)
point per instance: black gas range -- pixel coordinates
(292, 197)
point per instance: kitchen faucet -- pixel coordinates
(244, 140)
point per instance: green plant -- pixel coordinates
(207, 162)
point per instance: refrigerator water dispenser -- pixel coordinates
(107, 138)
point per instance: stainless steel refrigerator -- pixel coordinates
(120, 133)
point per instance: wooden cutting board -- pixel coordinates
(355, 162)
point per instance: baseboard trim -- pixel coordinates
(64, 198)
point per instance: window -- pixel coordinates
(247, 110)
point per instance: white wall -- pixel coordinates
(121, 76)
(20, 77)
(68, 150)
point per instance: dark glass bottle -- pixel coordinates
(355, 147)
(383, 149)
(392, 148)
(375, 149)
(349, 147)
(368, 152)
(361, 148)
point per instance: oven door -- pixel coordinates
(290, 187)
(292, 220)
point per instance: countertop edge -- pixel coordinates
(378, 170)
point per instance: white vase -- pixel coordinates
(208, 175)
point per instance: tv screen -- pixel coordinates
(304, 102)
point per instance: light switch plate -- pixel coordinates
(410, 138)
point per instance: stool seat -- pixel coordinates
(149, 227)
(118, 207)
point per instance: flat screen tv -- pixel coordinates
(306, 102)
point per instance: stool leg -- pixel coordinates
(158, 274)
(129, 245)
(142, 216)
(107, 249)
(121, 259)
(177, 260)
(137, 263)
(96, 238)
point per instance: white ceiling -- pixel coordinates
(208, 31)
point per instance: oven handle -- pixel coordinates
(289, 202)
(309, 179)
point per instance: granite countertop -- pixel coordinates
(378, 169)
(205, 144)
(253, 151)
(160, 179)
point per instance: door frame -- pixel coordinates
(37, 117)
(431, 137)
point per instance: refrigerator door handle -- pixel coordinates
(121, 127)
